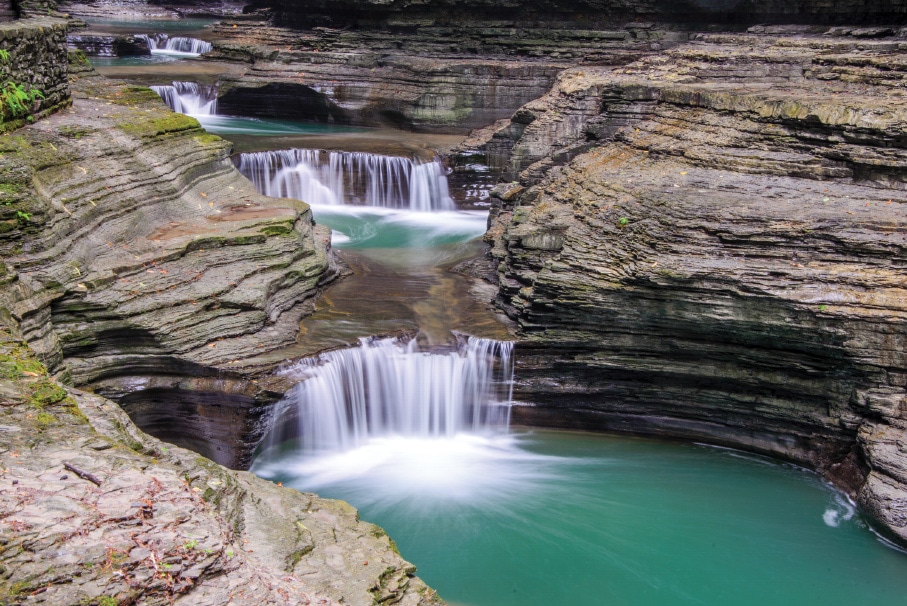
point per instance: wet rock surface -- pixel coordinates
(133, 248)
(710, 243)
(434, 78)
(94, 512)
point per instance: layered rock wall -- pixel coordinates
(132, 247)
(711, 244)
(403, 13)
(37, 60)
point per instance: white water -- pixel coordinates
(163, 44)
(189, 98)
(387, 387)
(403, 424)
(333, 178)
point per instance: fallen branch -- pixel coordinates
(83, 474)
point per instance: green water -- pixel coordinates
(558, 518)
(261, 127)
(132, 61)
(361, 227)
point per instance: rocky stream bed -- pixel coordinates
(700, 233)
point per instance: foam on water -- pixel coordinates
(164, 44)
(422, 473)
(333, 178)
(189, 98)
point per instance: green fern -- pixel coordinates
(16, 101)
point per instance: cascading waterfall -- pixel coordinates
(189, 98)
(386, 387)
(177, 45)
(331, 178)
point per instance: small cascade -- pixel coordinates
(189, 98)
(386, 387)
(177, 45)
(332, 177)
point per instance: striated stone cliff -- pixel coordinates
(383, 13)
(132, 247)
(442, 77)
(711, 243)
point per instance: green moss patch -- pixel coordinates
(132, 95)
(156, 127)
(45, 392)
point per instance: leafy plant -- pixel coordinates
(15, 100)
(623, 221)
(23, 216)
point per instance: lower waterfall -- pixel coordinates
(404, 428)
(387, 387)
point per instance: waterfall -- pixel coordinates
(189, 98)
(387, 387)
(331, 177)
(178, 45)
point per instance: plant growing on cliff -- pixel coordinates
(15, 99)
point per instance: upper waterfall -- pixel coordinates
(331, 177)
(189, 98)
(177, 45)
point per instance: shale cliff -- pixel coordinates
(132, 247)
(710, 243)
(401, 13)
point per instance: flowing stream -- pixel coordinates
(165, 44)
(417, 438)
(189, 98)
(413, 430)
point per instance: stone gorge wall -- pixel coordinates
(711, 243)
(37, 60)
(132, 247)
(404, 14)
(445, 78)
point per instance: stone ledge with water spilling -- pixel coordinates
(96, 511)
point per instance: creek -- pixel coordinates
(413, 429)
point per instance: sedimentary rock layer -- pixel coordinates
(97, 512)
(436, 78)
(132, 247)
(712, 243)
(371, 13)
